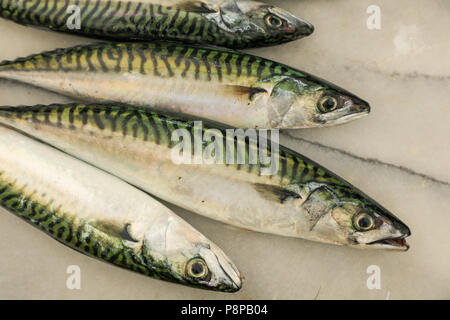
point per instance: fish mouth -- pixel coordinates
(394, 243)
(353, 114)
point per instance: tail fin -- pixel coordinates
(30, 62)
(3, 66)
(8, 65)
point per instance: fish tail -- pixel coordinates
(8, 115)
(5, 112)
(4, 65)
(29, 63)
(8, 65)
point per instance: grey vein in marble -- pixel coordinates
(369, 160)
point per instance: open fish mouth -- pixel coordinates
(347, 118)
(352, 116)
(398, 243)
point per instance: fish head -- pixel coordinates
(305, 103)
(264, 24)
(344, 215)
(371, 227)
(191, 258)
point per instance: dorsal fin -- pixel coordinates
(194, 6)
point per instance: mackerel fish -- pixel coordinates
(226, 23)
(102, 216)
(223, 86)
(300, 199)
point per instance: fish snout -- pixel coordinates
(224, 271)
(352, 110)
(360, 106)
(237, 282)
(235, 277)
(402, 228)
(303, 29)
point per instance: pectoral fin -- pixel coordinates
(114, 229)
(276, 193)
(251, 92)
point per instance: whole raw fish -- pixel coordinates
(234, 88)
(300, 199)
(98, 214)
(228, 23)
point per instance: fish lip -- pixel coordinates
(395, 242)
(356, 111)
(356, 114)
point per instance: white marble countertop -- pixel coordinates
(399, 155)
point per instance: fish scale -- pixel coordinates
(176, 20)
(225, 86)
(299, 199)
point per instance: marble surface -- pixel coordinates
(398, 155)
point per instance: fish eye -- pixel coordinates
(363, 222)
(197, 268)
(273, 21)
(327, 104)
